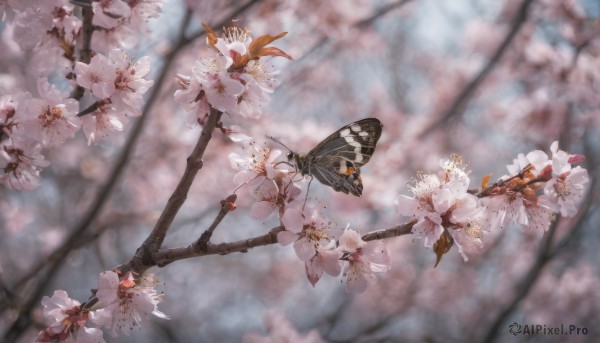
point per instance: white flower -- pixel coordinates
(124, 303)
(364, 258)
(564, 192)
(98, 76)
(20, 162)
(130, 85)
(67, 319)
(51, 119)
(104, 120)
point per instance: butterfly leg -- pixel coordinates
(306, 197)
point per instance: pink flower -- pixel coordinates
(364, 258)
(313, 240)
(267, 199)
(189, 98)
(8, 109)
(110, 13)
(124, 303)
(21, 162)
(257, 164)
(512, 208)
(327, 260)
(104, 120)
(564, 192)
(222, 92)
(233, 80)
(308, 232)
(51, 119)
(67, 319)
(98, 76)
(129, 83)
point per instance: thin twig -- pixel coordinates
(227, 206)
(86, 42)
(91, 108)
(460, 101)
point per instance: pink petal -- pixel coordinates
(292, 220)
(331, 262)
(356, 282)
(286, 237)
(262, 210)
(305, 249)
(314, 270)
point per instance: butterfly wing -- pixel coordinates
(336, 161)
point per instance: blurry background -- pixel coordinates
(480, 78)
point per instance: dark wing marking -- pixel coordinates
(350, 141)
(340, 183)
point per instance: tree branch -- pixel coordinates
(461, 100)
(143, 256)
(227, 206)
(166, 256)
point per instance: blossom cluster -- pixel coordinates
(234, 79)
(446, 211)
(538, 187)
(119, 304)
(119, 86)
(322, 248)
(34, 120)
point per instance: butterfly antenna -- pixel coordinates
(279, 142)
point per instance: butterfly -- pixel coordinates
(336, 161)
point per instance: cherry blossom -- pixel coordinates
(68, 319)
(234, 79)
(125, 303)
(98, 76)
(120, 87)
(130, 85)
(364, 258)
(103, 121)
(110, 13)
(50, 119)
(21, 161)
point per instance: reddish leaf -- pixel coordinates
(211, 36)
(442, 246)
(259, 43)
(273, 51)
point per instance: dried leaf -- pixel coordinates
(442, 246)
(273, 51)
(485, 181)
(259, 43)
(211, 36)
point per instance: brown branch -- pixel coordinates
(86, 42)
(143, 258)
(380, 13)
(166, 256)
(460, 102)
(227, 206)
(92, 108)
(395, 231)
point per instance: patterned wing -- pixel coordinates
(354, 142)
(337, 160)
